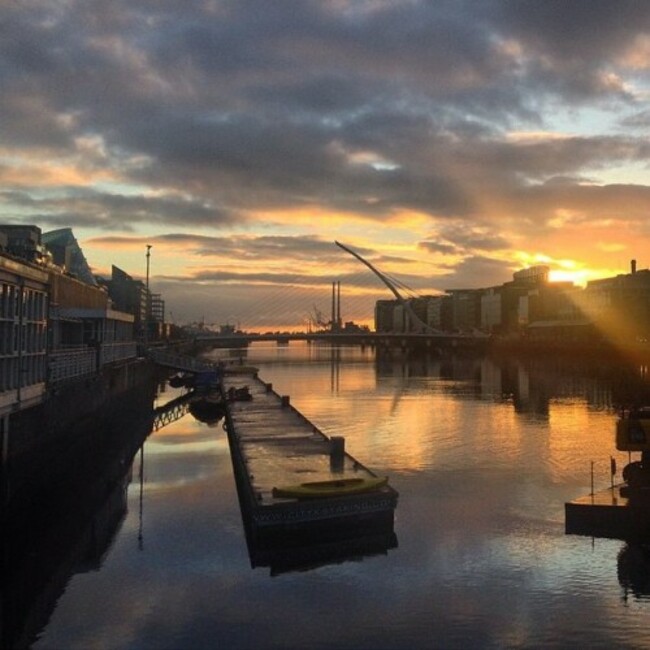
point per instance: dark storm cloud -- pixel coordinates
(492, 272)
(591, 31)
(572, 43)
(360, 107)
(85, 207)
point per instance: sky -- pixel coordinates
(451, 143)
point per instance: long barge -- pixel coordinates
(272, 445)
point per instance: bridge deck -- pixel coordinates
(274, 445)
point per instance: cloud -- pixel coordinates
(492, 272)
(377, 122)
(640, 119)
(268, 112)
(74, 206)
(435, 247)
(243, 247)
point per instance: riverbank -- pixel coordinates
(39, 440)
(65, 521)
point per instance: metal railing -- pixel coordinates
(74, 362)
(71, 364)
(179, 361)
(111, 352)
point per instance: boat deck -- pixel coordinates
(273, 445)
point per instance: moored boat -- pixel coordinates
(633, 435)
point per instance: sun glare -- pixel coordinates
(578, 277)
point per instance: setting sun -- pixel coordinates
(579, 277)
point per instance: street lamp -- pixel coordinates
(148, 300)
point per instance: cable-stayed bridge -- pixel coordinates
(419, 331)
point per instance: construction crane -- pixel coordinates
(319, 319)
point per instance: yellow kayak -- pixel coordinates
(333, 488)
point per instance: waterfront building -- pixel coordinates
(128, 295)
(419, 307)
(55, 325)
(392, 316)
(506, 308)
(400, 318)
(67, 354)
(619, 306)
(86, 333)
(491, 310)
(23, 335)
(438, 314)
(23, 242)
(532, 275)
(67, 254)
(384, 315)
(465, 309)
(552, 301)
(158, 328)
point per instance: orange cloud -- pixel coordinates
(39, 170)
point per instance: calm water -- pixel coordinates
(483, 454)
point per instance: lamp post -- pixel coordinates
(148, 300)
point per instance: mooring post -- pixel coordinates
(337, 453)
(285, 401)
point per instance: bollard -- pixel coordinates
(337, 453)
(285, 401)
(269, 388)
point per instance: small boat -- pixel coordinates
(332, 488)
(182, 380)
(209, 409)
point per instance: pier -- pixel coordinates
(274, 445)
(615, 512)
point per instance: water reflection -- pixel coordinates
(314, 554)
(66, 527)
(484, 452)
(208, 409)
(529, 383)
(634, 571)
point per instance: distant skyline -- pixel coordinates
(451, 143)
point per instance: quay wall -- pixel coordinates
(38, 440)
(70, 524)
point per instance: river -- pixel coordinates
(483, 453)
